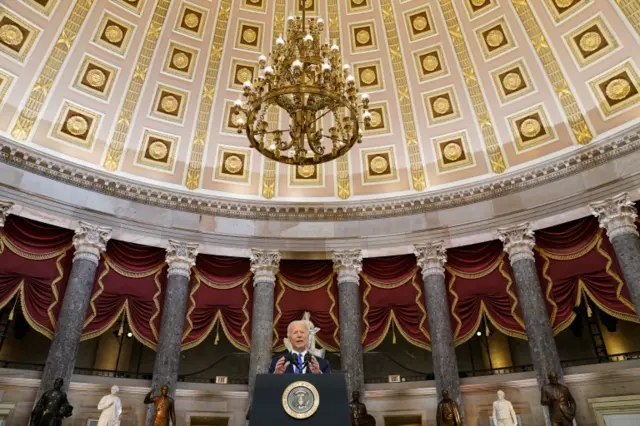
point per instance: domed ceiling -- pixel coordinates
(460, 89)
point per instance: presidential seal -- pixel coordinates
(300, 400)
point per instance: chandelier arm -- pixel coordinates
(320, 118)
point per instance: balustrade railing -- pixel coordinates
(210, 375)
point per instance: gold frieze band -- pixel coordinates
(496, 158)
(404, 97)
(29, 114)
(194, 171)
(132, 96)
(576, 120)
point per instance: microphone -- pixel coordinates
(290, 358)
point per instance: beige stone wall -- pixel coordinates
(385, 401)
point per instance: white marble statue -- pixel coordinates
(111, 409)
(503, 414)
(319, 352)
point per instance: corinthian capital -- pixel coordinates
(431, 257)
(518, 241)
(348, 264)
(264, 265)
(181, 256)
(89, 241)
(617, 215)
(5, 206)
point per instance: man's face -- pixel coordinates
(58, 384)
(164, 390)
(445, 394)
(299, 337)
(553, 378)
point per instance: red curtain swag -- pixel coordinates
(221, 294)
(480, 284)
(35, 260)
(576, 260)
(130, 281)
(307, 286)
(392, 296)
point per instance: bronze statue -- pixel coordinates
(52, 407)
(359, 415)
(448, 412)
(165, 409)
(562, 406)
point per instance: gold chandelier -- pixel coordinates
(305, 78)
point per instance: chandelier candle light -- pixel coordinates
(306, 79)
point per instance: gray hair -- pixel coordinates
(292, 323)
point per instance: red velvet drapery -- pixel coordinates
(480, 283)
(392, 295)
(573, 260)
(35, 260)
(221, 293)
(307, 286)
(130, 280)
(576, 259)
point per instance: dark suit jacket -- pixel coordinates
(325, 368)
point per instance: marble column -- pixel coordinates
(264, 266)
(348, 264)
(89, 241)
(518, 242)
(181, 256)
(617, 215)
(431, 259)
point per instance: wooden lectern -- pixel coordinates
(296, 399)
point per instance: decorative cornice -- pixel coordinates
(348, 265)
(264, 265)
(518, 241)
(89, 241)
(576, 161)
(181, 256)
(617, 215)
(5, 207)
(431, 257)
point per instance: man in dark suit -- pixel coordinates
(300, 361)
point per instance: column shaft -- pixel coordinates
(348, 265)
(261, 330)
(627, 248)
(618, 215)
(544, 352)
(181, 257)
(431, 259)
(63, 351)
(350, 336)
(89, 241)
(518, 242)
(445, 364)
(264, 265)
(167, 361)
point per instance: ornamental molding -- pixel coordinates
(181, 256)
(89, 241)
(576, 161)
(264, 265)
(431, 258)
(348, 265)
(518, 241)
(5, 208)
(617, 215)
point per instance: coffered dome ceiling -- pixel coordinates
(460, 89)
